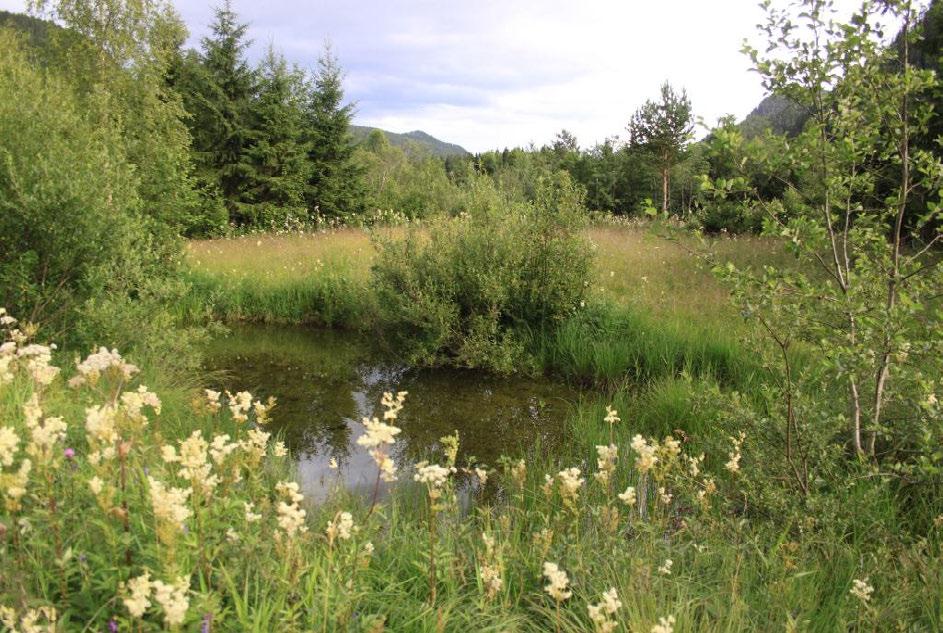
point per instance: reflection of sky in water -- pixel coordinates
(326, 382)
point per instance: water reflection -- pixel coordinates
(327, 381)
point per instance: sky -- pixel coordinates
(502, 73)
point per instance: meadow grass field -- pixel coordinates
(270, 277)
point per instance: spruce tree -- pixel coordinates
(335, 187)
(218, 88)
(277, 157)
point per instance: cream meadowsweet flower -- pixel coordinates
(570, 483)
(279, 449)
(8, 617)
(212, 400)
(665, 625)
(432, 474)
(194, 463)
(733, 464)
(251, 515)
(134, 401)
(291, 516)
(628, 497)
(377, 433)
(99, 363)
(173, 599)
(9, 444)
(612, 416)
(31, 620)
(665, 569)
(138, 599)
(96, 484)
(606, 457)
(239, 405)
(491, 579)
(664, 496)
(518, 472)
(393, 404)
(255, 444)
(221, 448)
(340, 527)
(385, 464)
(645, 454)
(558, 582)
(862, 590)
(602, 612)
(169, 504)
(37, 359)
(100, 425)
(16, 485)
(44, 437)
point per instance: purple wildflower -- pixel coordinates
(70, 453)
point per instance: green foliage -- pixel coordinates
(662, 129)
(411, 184)
(116, 55)
(335, 189)
(864, 308)
(460, 290)
(217, 87)
(80, 256)
(275, 186)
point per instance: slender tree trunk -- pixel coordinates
(893, 280)
(664, 189)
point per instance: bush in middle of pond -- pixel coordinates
(460, 289)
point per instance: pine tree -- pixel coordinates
(335, 186)
(277, 156)
(662, 129)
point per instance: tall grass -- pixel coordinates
(609, 345)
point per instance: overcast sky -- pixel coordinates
(496, 73)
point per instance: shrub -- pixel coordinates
(462, 288)
(77, 249)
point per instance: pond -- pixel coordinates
(327, 381)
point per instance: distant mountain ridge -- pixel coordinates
(776, 113)
(426, 141)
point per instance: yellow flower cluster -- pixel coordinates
(601, 614)
(733, 464)
(340, 527)
(291, 516)
(41, 620)
(101, 363)
(558, 583)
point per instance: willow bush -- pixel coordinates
(461, 288)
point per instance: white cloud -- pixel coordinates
(498, 73)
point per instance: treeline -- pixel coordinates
(271, 149)
(270, 144)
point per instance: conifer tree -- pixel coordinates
(335, 187)
(662, 129)
(218, 88)
(277, 156)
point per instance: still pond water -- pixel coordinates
(326, 382)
